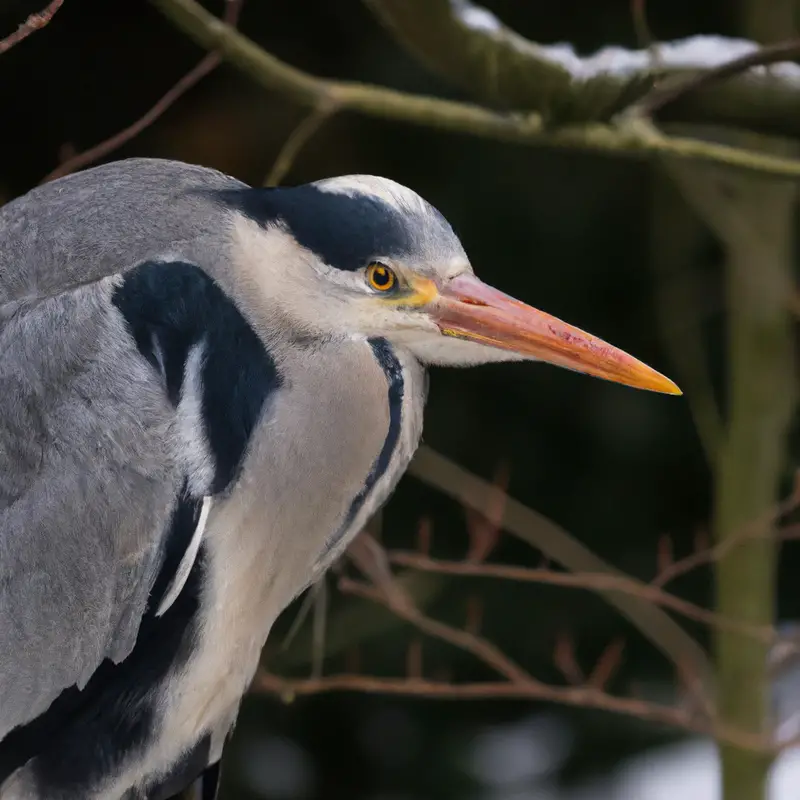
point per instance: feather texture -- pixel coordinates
(184, 446)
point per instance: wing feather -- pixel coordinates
(187, 562)
(87, 487)
(86, 226)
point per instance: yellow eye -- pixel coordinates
(381, 278)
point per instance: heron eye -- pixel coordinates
(381, 278)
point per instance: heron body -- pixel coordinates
(206, 390)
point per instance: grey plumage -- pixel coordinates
(72, 467)
(92, 454)
(100, 222)
(84, 423)
(202, 399)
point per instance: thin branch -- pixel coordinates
(35, 22)
(518, 684)
(538, 531)
(372, 561)
(585, 692)
(297, 140)
(590, 691)
(585, 697)
(607, 665)
(566, 662)
(625, 137)
(204, 67)
(274, 684)
(771, 54)
(485, 528)
(757, 530)
(588, 581)
(644, 36)
(475, 645)
(350, 624)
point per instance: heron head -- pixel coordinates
(360, 255)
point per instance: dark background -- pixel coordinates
(571, 233)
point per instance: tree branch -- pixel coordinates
(297, 140)
(587, 689)
(763, 56)
(468, 46)
(529, 690)
(205, 66)
(471, 48)
(581, 580)
(518, 683)
(34, 22)
(654, 623)
(579, 696)
(482, 649)
(627, 136)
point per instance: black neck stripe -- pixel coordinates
(394, 376)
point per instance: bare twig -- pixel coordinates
(368, 555)
(771, 54)
(587, 691)
(371, 559)
(205, 66)
(533, 690)
(484, 528)
(490, 655)
(644, 36)
(584, 691)
(477, 646)
(711, 555)
(607, 665)
(553, 541)
(585, 696)
(597, 582)
(298, 139)
(565, 661)
(35, 22)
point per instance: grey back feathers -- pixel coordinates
(105, 220)
(76, 562)
(175, 463)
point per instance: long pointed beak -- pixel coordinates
(469, 309)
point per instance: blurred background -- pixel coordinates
(579, 235)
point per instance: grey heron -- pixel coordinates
(206, 389)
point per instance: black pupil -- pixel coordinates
(381, 277)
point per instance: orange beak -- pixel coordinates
(469, 309)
